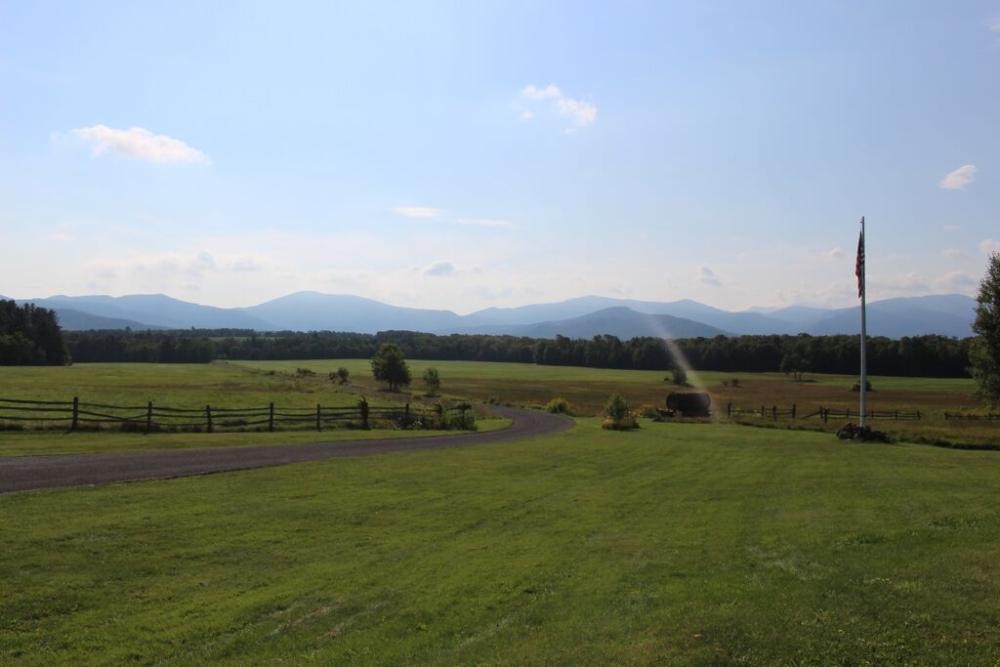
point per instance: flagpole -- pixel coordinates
(864, 326)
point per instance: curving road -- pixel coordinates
(25, 473)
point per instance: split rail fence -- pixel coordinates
(826, 414)
(76, 414)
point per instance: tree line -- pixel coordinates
(30, 335)
(925, 356)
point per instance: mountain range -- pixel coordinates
(583, 317)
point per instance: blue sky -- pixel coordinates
(470, 154)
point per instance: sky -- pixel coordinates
(463, 155)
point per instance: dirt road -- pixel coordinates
(24, 473)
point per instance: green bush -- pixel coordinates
(618, 417)
(559, 406)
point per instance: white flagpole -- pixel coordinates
(864, 325)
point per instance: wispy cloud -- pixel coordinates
(417, 211)
(707, 277)
(139, 143)
(439, 269)
(579, 112)
(834, 253)
(952, 253)
(958, 179)
(989, 246)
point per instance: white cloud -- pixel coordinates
(989, 246)
(834, 253)
(527, 115)
(417, 211)
(708, 277)
(549, 92)
(958, 179)
(957, 280)
(439, 269)
(485, 222)
(952, 253)
(579, 112)
(139, 143)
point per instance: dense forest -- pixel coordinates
(30, 336)
(928, 356)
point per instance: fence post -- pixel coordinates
(76, 413)
(762, 408)
(793, 411)
(149, 417)
(825, 413)
(208, 418)
(406, 415)
(270, 417)
(729, 409)
(363, 404)
(918, 414)
(774, 412)
(319, 425)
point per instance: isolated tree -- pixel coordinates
(793, 364)
(432, 380)
(341, 376)
(984, 354)
(389, 366)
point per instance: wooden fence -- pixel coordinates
(960, 416)
(76, 414)
(774, 413)
(826, 414)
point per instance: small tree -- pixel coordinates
(341, 376)
(793, 364)
(389, 366)
(432, 381)
(617, 414)
(984, 354)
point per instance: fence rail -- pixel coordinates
(774, 413)
(961, 416)
(827, 414)
(72, 415)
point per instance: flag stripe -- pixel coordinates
(859, 265)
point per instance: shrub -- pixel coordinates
(617, 414)
(559, 406)
(680, 377)
(304, 372)
(648, 411)
(857, 386)
(341, 376)
(432, 380)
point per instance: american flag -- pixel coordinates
(859, 265)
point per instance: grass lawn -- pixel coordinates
(25, 443)
(676, 544)
(175, 385)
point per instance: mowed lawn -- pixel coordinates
(675, 544)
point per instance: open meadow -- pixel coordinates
(587, 389)
(676, 544)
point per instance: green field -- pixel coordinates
(588, 390)
(675, 544)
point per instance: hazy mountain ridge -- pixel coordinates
(583, 317)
